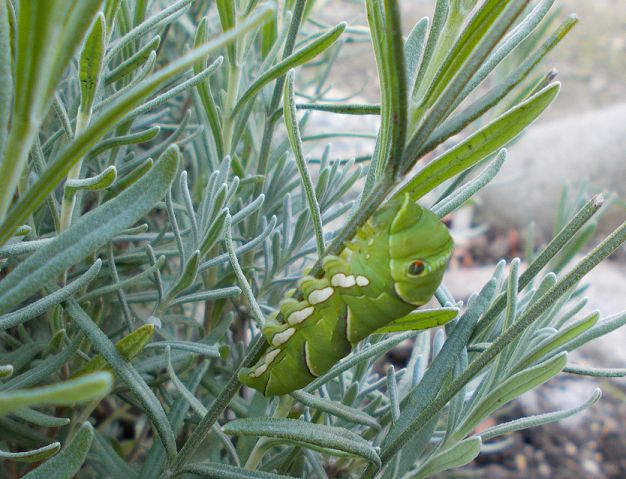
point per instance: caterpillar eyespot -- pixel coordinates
(363, 289)
(417, 267)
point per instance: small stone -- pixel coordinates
(612, 470)
(544, 470)
(591, 467)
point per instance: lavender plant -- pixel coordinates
(157, 203)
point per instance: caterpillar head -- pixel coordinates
(420, 247)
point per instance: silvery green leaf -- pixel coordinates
(34, 455)
(67, 463)
(336, 409)
(41, 419)
(479, 145)
(91, 63)
(215, 470)
(455, 456)
(89, 233)
(514, 386)
(125, 371)
(306, 434)
(68, 392)
(538, 420)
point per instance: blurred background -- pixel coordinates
(576, 149)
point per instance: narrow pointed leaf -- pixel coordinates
(99, 182)
(35, 455)
(130, 139)
(481, 144)
(186, 278)
(134, 62)
(128, 347)
(91, 58)
(302, 56)
(467, 191)
(68, 462)
(201, 349)
(413, 51)
(305, 434)
(337, 409)
(539, 420)
(558, 339)
(46, 303)
(69, 392)
(460, 454)
(39, 418)
(295, 140)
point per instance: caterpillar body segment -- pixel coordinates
(394, 264)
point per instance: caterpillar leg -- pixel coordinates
(280, 370)
(335, 265)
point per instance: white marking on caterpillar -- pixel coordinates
(395, 288)
(348, 321)
(298, 316)
(258, 371)
(362, 280)
(320, 295)
(307, 353)
(282, 338)
(342, 280)
(270, 356)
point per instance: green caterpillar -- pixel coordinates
(393, 265)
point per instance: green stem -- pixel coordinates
(69, 200)
(374, 200)
(450, 32)
(260, 448)
(234, 78)
(215, 410)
